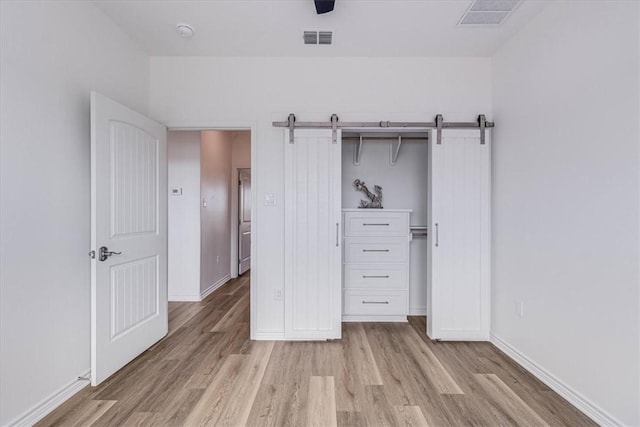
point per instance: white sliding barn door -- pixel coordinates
(458, 286)
(129, 223)
(313, 235)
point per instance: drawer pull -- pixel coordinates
(375, 277)
(375, 302)
(375, 250)
(384, 225)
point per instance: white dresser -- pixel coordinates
(376, 265)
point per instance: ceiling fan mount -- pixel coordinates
(324, 6)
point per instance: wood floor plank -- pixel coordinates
(404, 380)
(94, 410)
(235, 315)
(290, 362)
(141, 419)
(280, 405)
(208, 409)
(350, 419)
(378, 374)
(359, 349)
(238, 407)
(211, 363)
(183, 313)
(85, 415)
(178, 409)
(508, 401)
(379, 412)
(322, 402)
(474, 410)
(430, 364)
(410, 416)
(392, 369)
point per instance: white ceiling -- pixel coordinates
(372, 28)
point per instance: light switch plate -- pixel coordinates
(270, 199)
(176, 191)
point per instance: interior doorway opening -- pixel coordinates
(209, 210)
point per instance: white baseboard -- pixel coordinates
(184, 298)
(203, 294)
(353, 318)
(47, 405)
(418, 312)
(215, 286)
(269, 336)
(585, 405)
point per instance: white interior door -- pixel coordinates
(244, 220)
(458, 285)
(313, 235)
(129, 223)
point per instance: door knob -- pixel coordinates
(104, 253)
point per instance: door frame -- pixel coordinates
(252, 126)
(235, 222)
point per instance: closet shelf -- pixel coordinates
(395, 139)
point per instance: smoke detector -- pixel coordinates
(185, 30)
(488, 12)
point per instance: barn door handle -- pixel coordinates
(437, 234)
(105, 253)
(337, 234)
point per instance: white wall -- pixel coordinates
(52, 55)
(240, 159)
(202, 91)
(215, 217)
(565, 208)
(404, 186)
(183, 154)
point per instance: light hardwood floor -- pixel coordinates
(208, 372)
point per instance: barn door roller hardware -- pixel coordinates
(334, 124)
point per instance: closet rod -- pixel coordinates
(385, 138)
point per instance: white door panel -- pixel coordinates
(313, 171)
(459, 292)
(128, 217)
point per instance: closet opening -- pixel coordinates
(384, 249)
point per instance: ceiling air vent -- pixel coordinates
(318, 37)
(310, 37)
(325, 37)
(488, 12)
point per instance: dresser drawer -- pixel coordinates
(375, 276)
(376, 223)
(374, 303)
(376, 249)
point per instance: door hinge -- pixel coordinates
(92, 254)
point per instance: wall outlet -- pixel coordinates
(277, 295)
(520, 308)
